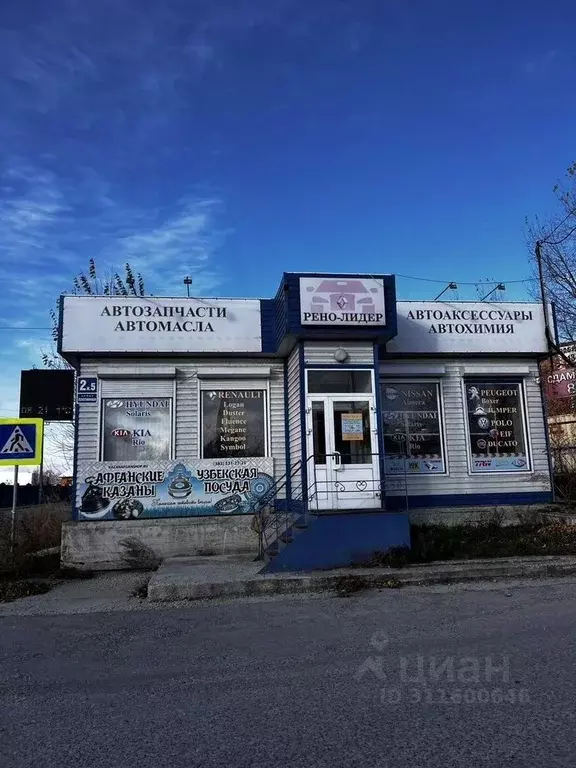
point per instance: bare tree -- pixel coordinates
(490, 288)
(90, 283)
(49, 477)
(557, 238)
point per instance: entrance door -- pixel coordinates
(344, 473)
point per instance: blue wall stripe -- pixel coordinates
(378, 414)
(469, 500)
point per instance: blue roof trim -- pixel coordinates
(267, 319)
(60, 323)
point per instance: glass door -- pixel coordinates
(344, 473)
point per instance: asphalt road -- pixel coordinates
(287, 682)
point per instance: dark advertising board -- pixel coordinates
(412, 428)
(233, 423)
(136, 428)
(496, 426)
(47, 395)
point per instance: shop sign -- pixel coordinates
(561, 382)
(497, 437)
(136, 429)
(140, 490)
(233, 423)
(148, 324)
(412, 428)
(560, 378)
(352, 301)
(453, 327)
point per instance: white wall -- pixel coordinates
(459, 480)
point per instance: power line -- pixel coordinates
(476, 282)
(557, 227)
(562, 239)
(404, 277)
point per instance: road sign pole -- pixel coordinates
(13, 520)
(41, 472)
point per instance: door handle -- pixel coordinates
(337, 460)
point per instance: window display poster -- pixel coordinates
(233, 423)
(496, 427)
(136, 429)
(135, 490)
(411, 428)
(352, 426)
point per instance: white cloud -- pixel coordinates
(183, 243)
(147, 59)
(55, 225)
(50, 226)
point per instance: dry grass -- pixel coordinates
(37, 528)
(479, 540)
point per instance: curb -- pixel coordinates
(165, 589)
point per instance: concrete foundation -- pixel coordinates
(508, 515)
(97, 545)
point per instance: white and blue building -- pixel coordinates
(332, 406)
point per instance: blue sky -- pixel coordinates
(236, 139)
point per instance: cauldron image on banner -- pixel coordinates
(92, 499)
(127, 509)
(180, 487)
(229, 504)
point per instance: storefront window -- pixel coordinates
(412, 427)
(233, 423)
(496, 426)
(136, 429)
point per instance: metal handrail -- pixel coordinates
(314, 487)
(267, 516)
(272, 521)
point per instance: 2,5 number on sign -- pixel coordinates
(87, 389)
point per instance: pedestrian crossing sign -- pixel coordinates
(21, 441)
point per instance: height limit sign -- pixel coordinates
(87, 389)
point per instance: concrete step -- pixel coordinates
(213, 577)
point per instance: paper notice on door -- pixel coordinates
(352, 426)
